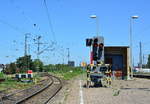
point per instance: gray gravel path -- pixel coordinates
(136, 91)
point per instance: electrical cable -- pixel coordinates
(27, 18)
(49, 21)
(11, 26)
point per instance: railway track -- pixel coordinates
(38, 94)
(142, 76)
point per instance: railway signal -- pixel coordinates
(100, 50)
(97, 71)
(89, 42)
(95, 49)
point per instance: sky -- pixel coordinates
(68, 23)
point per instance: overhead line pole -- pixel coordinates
(26, 49)
(29, 49)
(38, 50)
(140, 58)
(68, 55)
(38, 46)
(25, 45)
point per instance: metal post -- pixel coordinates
(131, 26)
(29, 49)
(26, 48)
(25, 45)
(91, 55)
(63, 59)
(68, 54)
(140, 58)
(38, 49)
(131, 66)
(38, 46)
(143, 60)
(97, 26)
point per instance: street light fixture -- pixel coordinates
(135, 17)
(93, 16)
(131, 26)
(97, 25)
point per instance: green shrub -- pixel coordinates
(2, 75)
(64, 71)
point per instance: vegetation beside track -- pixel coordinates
(64, 71)
(25, 63)
(11, 84)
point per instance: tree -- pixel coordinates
(25, 63)
(38, 64)
(148, 62)
(10, 68)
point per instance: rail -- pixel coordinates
(33, 93)
(146, 76)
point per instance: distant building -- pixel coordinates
(71, 63)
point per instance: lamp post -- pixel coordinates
(131, 27)
(97, 25)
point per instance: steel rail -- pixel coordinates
(35, 93)
(60, 87)
(141, 76)
(13, 101)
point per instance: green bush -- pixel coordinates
(2, 75)
(64, 71)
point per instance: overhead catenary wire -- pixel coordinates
(21, 11)
(35, 24)
(27, 18)
(49, 21)
(53, 44)
(11, 26)
(17, 30)
(54, 41)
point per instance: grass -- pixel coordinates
(1, 75)
(67, 73)
(64, 72)
(9, 83)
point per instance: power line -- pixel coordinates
(27, 18)
(39, 43)
(49, 21)
(11, 26)
(21, 11)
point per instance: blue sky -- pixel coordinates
(72, 25)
